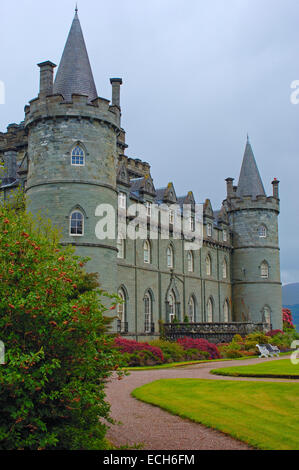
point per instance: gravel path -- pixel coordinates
(158, 430)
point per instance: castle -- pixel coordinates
(69, 154)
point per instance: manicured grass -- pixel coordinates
(190, 363)
(263, 414)
(272, 369)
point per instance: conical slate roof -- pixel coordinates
(74, 74)
(250, 181)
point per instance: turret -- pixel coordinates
(255, 261)
(72, 138)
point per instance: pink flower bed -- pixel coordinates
(130, 346)
(287, 318)
(201, 345)
(274, 332)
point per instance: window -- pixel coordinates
(170, 257)
(192, 224)
(122, 201)
(210, 310)
(267, 315)
(226, 311)
(224, 234)
(264, 270)
(172, 307)
(148, 206)
(209, 230)
(148, 313)
(77, 224)
(122, 311)
(263, 231)
(121, 248)
(171, 216)
(191, 310)
(208, 266)
(224, 269)
(147, 252)
(190, 262)
(78, 156)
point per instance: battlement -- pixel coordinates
(248, 203)
(54, 106)
(15, 138)
(135, 167)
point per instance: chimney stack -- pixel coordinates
(230, 187)
(46, 78)
(116, 83)
(275, 184)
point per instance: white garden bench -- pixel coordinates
(267, 350)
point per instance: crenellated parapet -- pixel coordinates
(235, 204)
(55, 107)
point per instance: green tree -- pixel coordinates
(58, 352)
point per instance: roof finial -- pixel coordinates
(247, 138)
(76, 9)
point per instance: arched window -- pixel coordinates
(77, 224)
(208, 265)
(263, 231)
(224, 269)
(78, 156)
(226, 312)
(210, 308)
(191, 310)
(121, 248)
(122, 312)
(170, 257)
(172, 306)
(267, 315)
(147, 252)
(190, 262)
(265, 270)
(148, 317)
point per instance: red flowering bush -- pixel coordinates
(287, 319)
(201, 345)
(58, 354)
(274, 333)
(130, 346)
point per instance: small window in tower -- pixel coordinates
(264, 270)
(78, 156)
(77, 224)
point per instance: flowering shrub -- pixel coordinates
(131, 346)
(287, 319)
(58, 354)
(201, 345)
(274, 333)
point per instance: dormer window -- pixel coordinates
(192, 224)
(263, 231)
(78, 156)
(209, 230)
(171, 216)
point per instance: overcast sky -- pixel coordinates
(198, 75)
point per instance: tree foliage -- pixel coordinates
(58, 354)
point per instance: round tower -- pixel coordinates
(72, 148)
(257, 292)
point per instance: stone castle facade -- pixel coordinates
(69, 154)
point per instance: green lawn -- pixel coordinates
(272, 369)
(262, 414)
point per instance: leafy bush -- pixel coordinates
(172, 351)
(287, 320)
(274, 333)
(57, 353)
(201, 345)
(131, 346)
(142, 358)
(196, 355)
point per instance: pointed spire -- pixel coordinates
(250, 181)
(74, 74)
